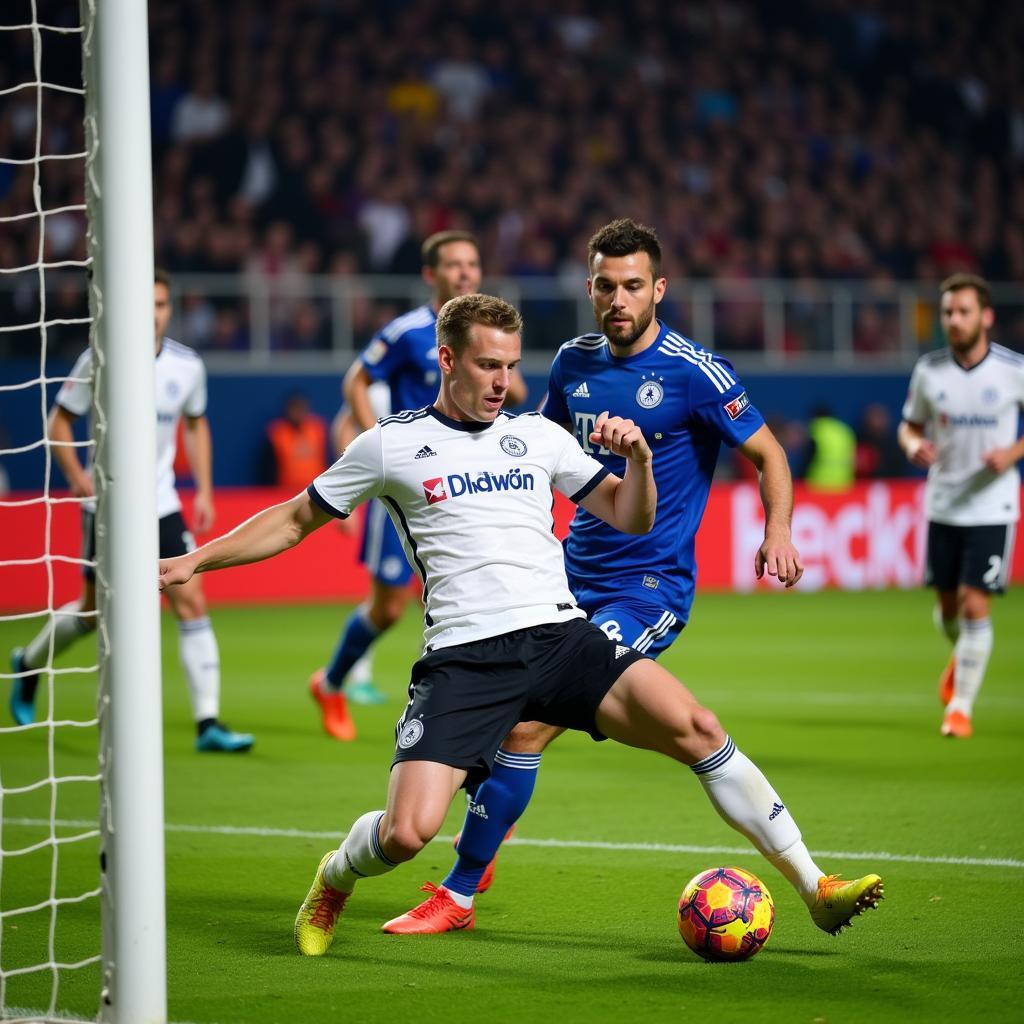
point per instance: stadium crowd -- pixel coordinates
(827, 139)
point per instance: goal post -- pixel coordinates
(119, 197)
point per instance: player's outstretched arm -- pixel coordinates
(266, 534)
(777, 554)
(628, 503)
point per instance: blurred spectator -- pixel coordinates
(201, 113)
(296, 448)
(831, 452)
(878, 453)
(831, 140)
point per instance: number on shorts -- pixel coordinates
(612, 630)
(995, 566)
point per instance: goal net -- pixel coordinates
(81, 854)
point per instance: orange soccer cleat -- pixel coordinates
(956, 725)
(438, 914)
(333, 708)
(487, 878)
(946, 681)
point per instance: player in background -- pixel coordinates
(359, 685)
(960, 422)
(504, 639)
(403, 355)
(180, 392)
(639, 590)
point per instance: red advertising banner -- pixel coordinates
(871, 536)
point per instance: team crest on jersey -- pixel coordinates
(375, 352)
(514, 446)
(411, 734)
(649, 394)
(990, 396)
(172, 389)
(433, 490)
(737, 406)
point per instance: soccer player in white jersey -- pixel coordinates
(960, 422)
(180, 391)
(402, 355)
(504, 639)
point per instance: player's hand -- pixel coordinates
(175, 570)
(203, 513)
(82, 487)
(924, 454)
(622, 437)
(778, 557)
(999, 460)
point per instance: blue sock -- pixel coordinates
(355, 640)
(493, 810)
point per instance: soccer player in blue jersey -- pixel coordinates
(639, 590)
(403, 354)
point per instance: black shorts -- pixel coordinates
(175, 539)
(464, 700)
(975, 556)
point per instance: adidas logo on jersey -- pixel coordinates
(620, 651)
(425, 452)
(582, 391)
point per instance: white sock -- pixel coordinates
(66, 624)
(746, 800)
(359, 855)
(361, 671)
(949, 628)
(461, 901)
(200, 657)
(972, 652)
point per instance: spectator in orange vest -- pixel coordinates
(296, 445)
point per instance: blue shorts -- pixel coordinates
(642, 625)
(381, 550)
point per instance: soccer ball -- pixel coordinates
(726, 914)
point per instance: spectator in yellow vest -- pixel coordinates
(832, 452)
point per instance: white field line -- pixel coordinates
(875, 856)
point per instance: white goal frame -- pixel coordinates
(119, 197)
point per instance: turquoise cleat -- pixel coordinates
(23, 691)
(218, 738)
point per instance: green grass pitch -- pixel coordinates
(832, 694)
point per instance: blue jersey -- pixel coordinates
(687, 401)
(404, 355)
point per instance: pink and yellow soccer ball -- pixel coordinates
(726, 914)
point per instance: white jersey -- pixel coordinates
(968, 413)
(472, 503)
(180, 389)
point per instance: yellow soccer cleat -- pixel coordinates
(319, 913)
(840, 901)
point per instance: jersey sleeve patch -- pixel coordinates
(375, 352)
(737, 406)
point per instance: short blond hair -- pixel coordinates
(458, 315)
